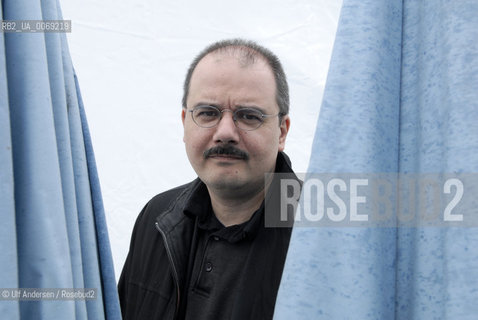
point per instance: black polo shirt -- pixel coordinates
(233, 272)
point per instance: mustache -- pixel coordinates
(226, 150)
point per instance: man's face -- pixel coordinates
(220, 80)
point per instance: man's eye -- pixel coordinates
(206, 113)
(249, 116)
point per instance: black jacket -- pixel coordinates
(154, 274)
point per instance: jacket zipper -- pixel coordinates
(173, 267)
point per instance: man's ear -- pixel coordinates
(183, 118)
(183, 115)
(284, 129)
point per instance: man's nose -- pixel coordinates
(226, 130)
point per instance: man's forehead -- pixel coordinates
(217, 65)
(221, 72)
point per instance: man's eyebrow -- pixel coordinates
(250, 107)
(207, 104)
(239, 106)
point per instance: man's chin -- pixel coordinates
(233, 187)
(226, 183)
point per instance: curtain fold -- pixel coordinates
(8, 234)
(110, 298)
(401, 97)
(52, 217)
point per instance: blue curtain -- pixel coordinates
(53, 231)
(401, 97)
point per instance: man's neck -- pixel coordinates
(233, 211)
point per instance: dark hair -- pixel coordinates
(248, 50)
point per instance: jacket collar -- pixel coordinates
(179, 225)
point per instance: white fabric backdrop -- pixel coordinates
(131, 59)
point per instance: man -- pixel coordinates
(202, 250)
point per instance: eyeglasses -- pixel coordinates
(247, 119)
